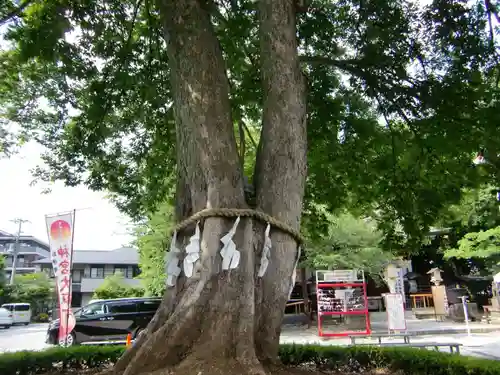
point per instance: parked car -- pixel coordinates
(107, 320)
(21, 312)
(6, 320)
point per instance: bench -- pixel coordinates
(405, 336)
(454, 347)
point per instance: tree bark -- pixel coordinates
(219, 321)
(280, 173)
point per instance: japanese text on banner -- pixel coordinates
(60, 231)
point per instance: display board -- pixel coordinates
(344, 301)
(340, 300)
(394, 306)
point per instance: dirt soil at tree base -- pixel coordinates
(284, 371)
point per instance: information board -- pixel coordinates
(400, 284)
(340, 276)
(342, 303)
(395, 311)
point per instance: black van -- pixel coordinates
(108, 320)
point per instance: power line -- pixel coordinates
(20, 223)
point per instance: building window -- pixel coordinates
(122, 271)
(77, 276)
(96, 272)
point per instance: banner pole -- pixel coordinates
(61, 251)
(55, 306)
(70, 274)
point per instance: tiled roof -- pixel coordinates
(124, 255)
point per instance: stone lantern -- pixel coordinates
(436, 278)
(441, 308)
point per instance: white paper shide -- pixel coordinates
(172, 268)
(230, 256)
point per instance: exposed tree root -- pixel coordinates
(215, 366)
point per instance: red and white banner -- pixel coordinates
(60, 231)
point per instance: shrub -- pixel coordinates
(77, 357)
(41, 318)
(410, 361)
(406, 360)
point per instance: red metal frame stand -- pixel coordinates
(361, 284)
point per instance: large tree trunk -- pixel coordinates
(219, 321)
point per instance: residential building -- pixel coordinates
(91, 267)
(29, 251)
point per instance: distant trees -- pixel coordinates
(152, 240)
(349, 242)
(36, 289)
(114, 286)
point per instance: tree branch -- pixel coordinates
(245, 126)
(242, 144)
(347, 65)
(380, 85)
(16, 12)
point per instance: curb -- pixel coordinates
(430, 332)
(448, 331)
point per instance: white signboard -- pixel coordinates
(338, 275)
(395, 312)
(400, 284)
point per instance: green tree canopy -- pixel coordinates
(478, 209)
(114, 286)
(36, 289)
(153, 240)
(350, 243)
(473, 230)
(482, 245)
(3, 278)
(400, 96)
(37, 279)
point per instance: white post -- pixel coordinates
(466, 314)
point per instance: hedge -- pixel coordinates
(407, 360)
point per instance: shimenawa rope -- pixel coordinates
(241, 212)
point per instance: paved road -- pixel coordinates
(17, 338)
(485, 345)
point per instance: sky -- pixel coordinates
(98, 224)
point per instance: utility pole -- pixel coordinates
(20, 223)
